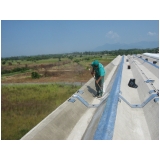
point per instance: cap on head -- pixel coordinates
(95, 62)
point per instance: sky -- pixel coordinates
(36, 37)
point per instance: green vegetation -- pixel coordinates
(14, 73)
(53, 67)
(71, 56)
(24, 106)
(22, 70)
(35, 75)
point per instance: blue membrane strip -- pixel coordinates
(106, 124)
(149, 62)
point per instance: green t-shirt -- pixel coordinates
(100, 71)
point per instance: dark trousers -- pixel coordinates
(99, 86)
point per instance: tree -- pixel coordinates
(4, 62)
(70, 57)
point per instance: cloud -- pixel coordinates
(112, 35)
(151, 33)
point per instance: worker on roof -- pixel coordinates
(98, 72)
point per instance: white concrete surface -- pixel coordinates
(130, 122)
(74, 121)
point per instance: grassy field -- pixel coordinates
(24, 106)
(71, 71)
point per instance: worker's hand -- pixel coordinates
(92, 73)
(97, 81)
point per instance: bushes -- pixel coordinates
(77, 60)
(22, 69)
(4, 62)
(35, 75)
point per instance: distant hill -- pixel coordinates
(138, 45)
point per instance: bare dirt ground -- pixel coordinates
(64, 71)
(71, 73)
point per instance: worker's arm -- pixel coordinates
(92, 72)
(97, 81)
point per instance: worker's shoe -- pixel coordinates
(100, 95)
(96, 95)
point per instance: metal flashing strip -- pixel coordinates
(149, 81)
(151, 91)
(80, 92)
(156, 100)
(71, 100)
(152, 96)
(149, 62)
(106, 124)
(90, 105)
